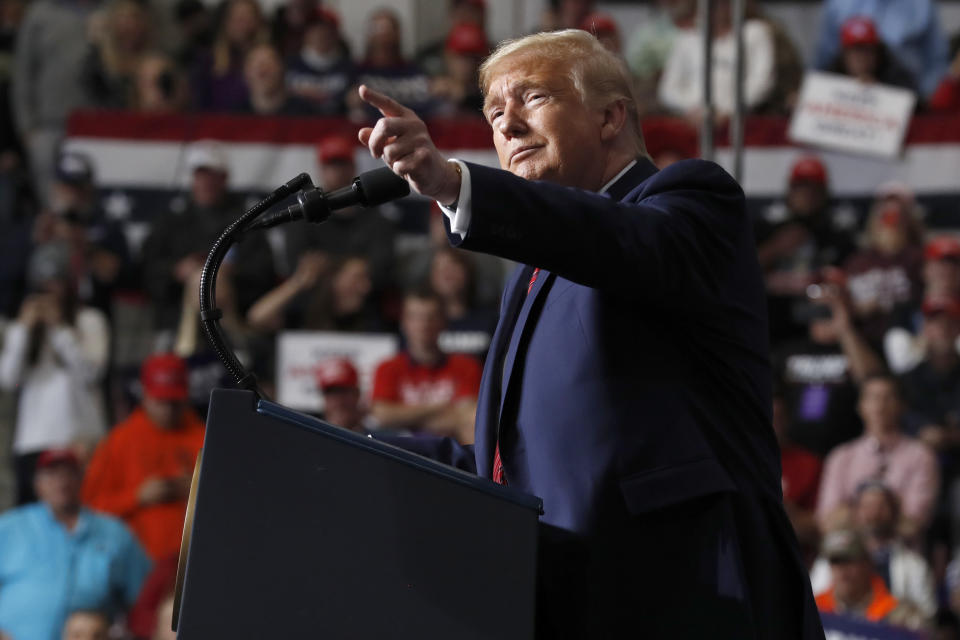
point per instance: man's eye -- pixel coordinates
(495, 115)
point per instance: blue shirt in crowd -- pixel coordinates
(46, 571)
(910, 29)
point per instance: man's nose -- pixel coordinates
(512, 123)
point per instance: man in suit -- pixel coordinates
(628, 382)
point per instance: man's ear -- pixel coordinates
(614, 119)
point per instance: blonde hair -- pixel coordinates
(599, 76)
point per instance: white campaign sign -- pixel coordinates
(838, 112)
(299, 353)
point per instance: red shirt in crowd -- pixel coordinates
(801, 476)
(402, 381)
(135, 450)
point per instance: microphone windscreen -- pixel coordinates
(381, 185)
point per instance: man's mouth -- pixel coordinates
(522, 153)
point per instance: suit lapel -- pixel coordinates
(533, 301)
(488, 404)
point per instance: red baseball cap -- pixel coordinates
(950, 306)
(599, 24)
(337, 373)
(52, 457)
(943, 248)
(164, 377)
(808, 169)
(336, 148)
(858, 30)
(467, 39)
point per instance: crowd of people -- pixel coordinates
(864, 306)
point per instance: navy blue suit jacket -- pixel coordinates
(634, 378)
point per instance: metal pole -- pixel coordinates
(705, 16)
(736, 122)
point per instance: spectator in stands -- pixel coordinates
(932, 387)
(289, 24)
(99, 254)
(339, 383)
(141, 472)
(159, 86)
(910, 28)
(48, 80)
(322, 71)
(796, 238)
(865, 57)
(883, 453)
(681, 85)
(650, 45)
(55, 354)
(857, 591)
(887, 271)
(875, 516)
(120, 38)
(571, 13)
(87, 625)
(422, 388)
(217, 76)
(178, 243)
(323, 294)
(195, 26)
(605, 29)
(350, 231)
(469, 326)
(458, 90)
(947, 95)
(59, 557)
(431, 58)
(385, 69)
(820, 374)
(266, 88)
(903, 343)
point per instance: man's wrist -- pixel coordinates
(451, 194)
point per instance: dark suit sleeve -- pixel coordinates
(445, 450)
(677, 244)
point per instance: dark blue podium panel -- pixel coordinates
(304, 530)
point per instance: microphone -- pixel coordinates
(313, 205)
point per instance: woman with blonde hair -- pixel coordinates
(120, 38)
(217, 76)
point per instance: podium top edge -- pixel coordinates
(285, 414)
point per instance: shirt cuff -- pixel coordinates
(460, 217)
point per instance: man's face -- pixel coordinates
(879, 406)
(264, 71)
(851, 579)
(165, 414)
(86, 626)
(341, 406)
(337, 174)
(542, 130)
(58, 486)
(873, 513)
(940, 332)
(860, 61)
(422, 321)
(941, 278)
(805, 198)
(208, 186)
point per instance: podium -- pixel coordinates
(299, 529)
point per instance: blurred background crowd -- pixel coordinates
(105, 373)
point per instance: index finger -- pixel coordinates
(384, 103)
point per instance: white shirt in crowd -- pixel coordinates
(681, 85)
(60, 397)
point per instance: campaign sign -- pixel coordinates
(842, 628)
(299, 353)
(841, 113)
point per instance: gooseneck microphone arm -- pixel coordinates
(368, 189)
(209, 314)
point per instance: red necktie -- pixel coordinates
(497, 461)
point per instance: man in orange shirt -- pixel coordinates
(141, 471)
(858, 591)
